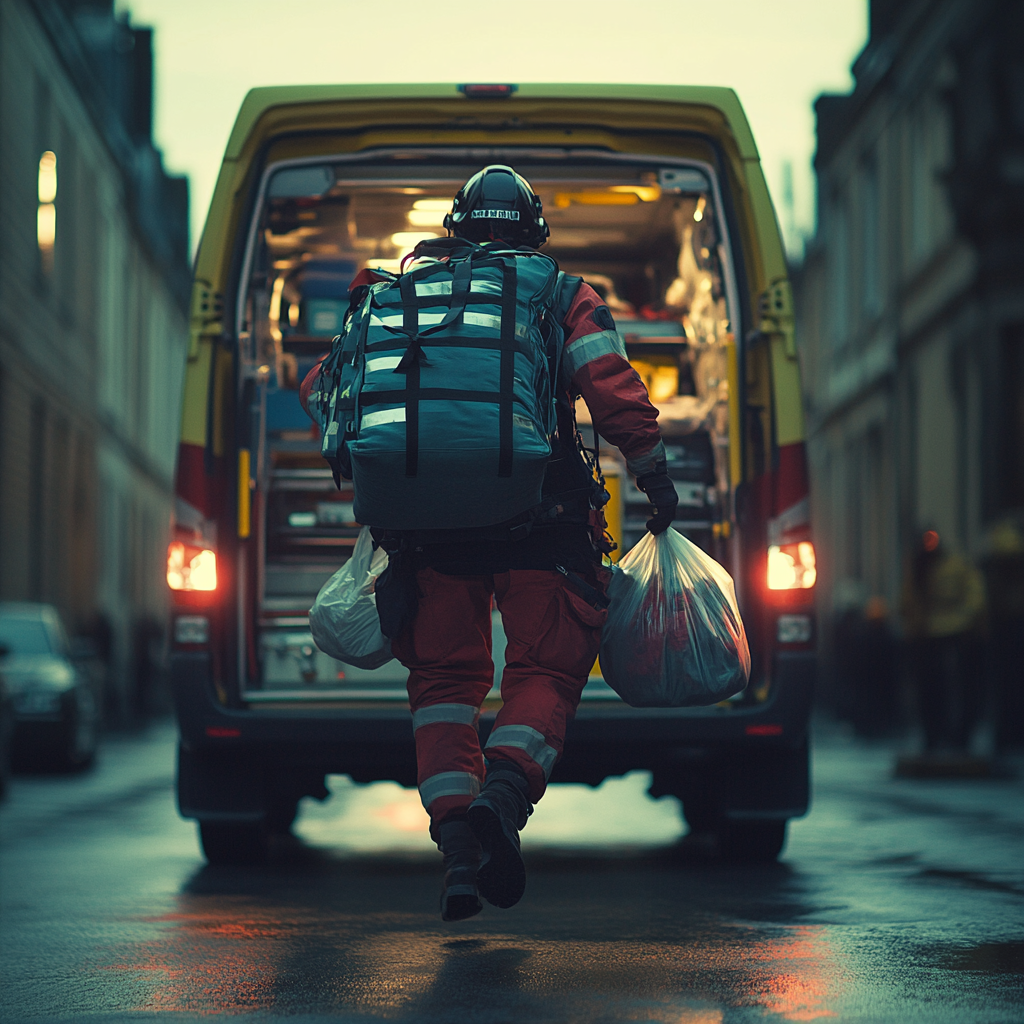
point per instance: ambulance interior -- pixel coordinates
(646, 236)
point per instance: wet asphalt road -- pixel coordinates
(895, 901)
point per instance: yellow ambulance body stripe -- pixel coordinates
(244, 494)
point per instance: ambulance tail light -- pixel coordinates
(792, 566)
(191, 567)
(488, 90)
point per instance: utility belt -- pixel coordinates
(568, 507)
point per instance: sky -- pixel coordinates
(777, 54)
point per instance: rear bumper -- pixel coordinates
(375, 742)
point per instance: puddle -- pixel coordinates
(972, 879)
(988, 958)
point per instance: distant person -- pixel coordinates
(1004, 575)
(943, 616)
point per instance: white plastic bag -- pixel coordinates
(674, 637)
(343, 619)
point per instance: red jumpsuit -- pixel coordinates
(552, 632)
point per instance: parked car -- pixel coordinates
(56, 704)
(655, 194)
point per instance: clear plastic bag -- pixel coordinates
(343, 619)
(674, 637)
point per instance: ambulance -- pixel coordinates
(656, 196)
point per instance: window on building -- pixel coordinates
(920, 185)
(92, 244)
(839, 270)
(929, 151)
(870, 237)
(46, 179)
(46, 212)
(67, 257)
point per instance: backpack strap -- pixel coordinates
(506, 378)
(413, 357)
(566, 288)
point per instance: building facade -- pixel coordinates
(911, 297)
(93, 327)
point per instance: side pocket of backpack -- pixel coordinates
(340, 377)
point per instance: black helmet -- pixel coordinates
(498, 203)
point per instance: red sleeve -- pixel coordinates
(596, 367)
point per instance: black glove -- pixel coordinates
(661, 493)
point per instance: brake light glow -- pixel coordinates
(764, 730)
(792, 566)
(190, 567)
(488, 90)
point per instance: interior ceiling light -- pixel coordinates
(427, 218)
(646, 193)
(444, 205)
(410, 239)
(698, 213)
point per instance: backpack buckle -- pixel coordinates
(520, 532)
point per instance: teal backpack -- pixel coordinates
(438, 400)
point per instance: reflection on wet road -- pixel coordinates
(895, 901)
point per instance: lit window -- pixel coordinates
(46, 215)
(48, 177)
(190, 567)
(46, 225)
(792, 566)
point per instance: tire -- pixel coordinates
(232, 843)
(751, 842)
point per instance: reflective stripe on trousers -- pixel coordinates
(528, 740)
(458, 714)
(461, 784)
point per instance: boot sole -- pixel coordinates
(502, 879)
(459, 907)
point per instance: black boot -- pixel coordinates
(496, 816)
(459, 897)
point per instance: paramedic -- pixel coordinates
(479, 800)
